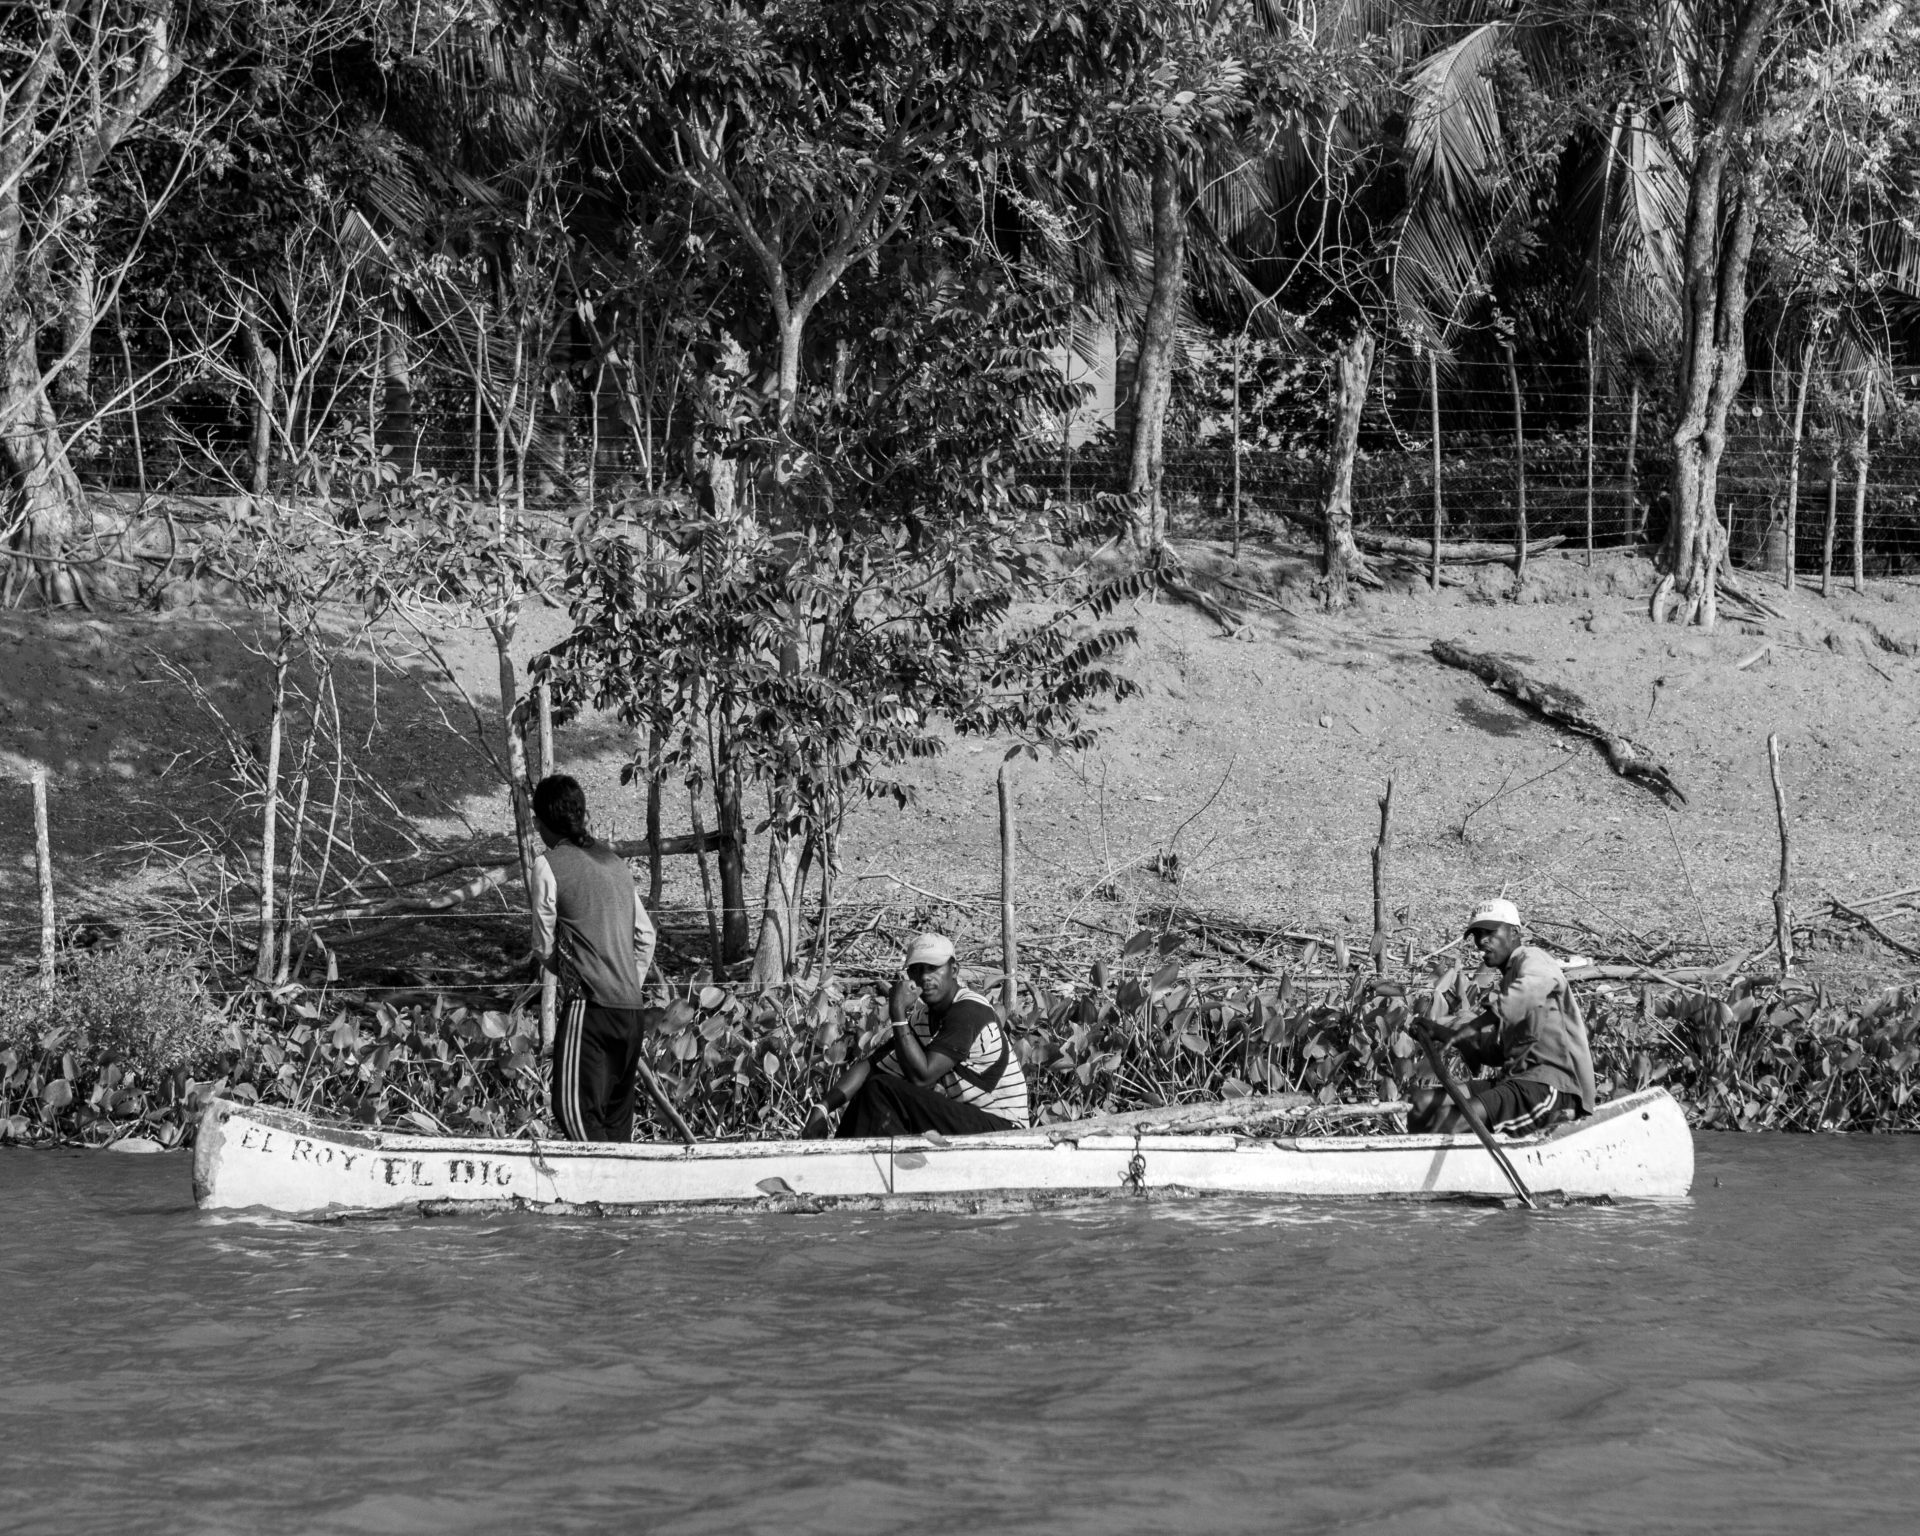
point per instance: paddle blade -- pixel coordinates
(775, 1186)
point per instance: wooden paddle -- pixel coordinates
(660, 1098)
(1459, 1097)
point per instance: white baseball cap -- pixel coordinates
(1496, 911)
(929, 949)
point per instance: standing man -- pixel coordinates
(592, 931)
(1530, 1029)
(964, 1081)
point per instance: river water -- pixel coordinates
(1746, 1362)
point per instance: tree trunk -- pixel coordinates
(396, 415)
(1153, 376)
(713, 398)
(732, 856)
(1713, 367)
(1519, 472)
(77, 315)
(1792, 533)
(516, 754)
(263, 368)
(654, 873)
(1713, 358)
(1340, 558)
(270, 813)
(78, 264)
(778, 951)
(1860, 486)
(792, 331)
(773, 958)
(46, 488)
(717, 946)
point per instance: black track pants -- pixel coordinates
(891, 1106)
(596, 1056)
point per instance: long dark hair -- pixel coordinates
(561, 803)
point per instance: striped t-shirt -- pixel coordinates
(971, 1033)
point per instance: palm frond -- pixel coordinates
(1454, 140)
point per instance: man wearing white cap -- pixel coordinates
(1530, 1029)
(963, 1081)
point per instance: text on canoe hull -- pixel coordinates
(414, 1172)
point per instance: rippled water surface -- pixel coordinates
(1747, 1362)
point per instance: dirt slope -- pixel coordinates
(1241, 783)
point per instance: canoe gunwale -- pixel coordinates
(1038, 1139)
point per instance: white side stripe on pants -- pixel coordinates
(566, 1067)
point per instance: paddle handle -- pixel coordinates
(666, 1105)
(1459, 1097)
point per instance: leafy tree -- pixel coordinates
(79, 81)
(811, 136)
(891, 595)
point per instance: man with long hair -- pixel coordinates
(592, 931)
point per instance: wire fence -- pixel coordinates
(1586, 464)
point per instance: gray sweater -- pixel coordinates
(590, 925)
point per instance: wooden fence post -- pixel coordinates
(1833, 519)
(1782, 917)
(43, 864)
(543, 765)
(1009, 935)
(1590, 386)
(1860, 488)
(1793, 453)
(1633, 448)
(1519, 473)
(1439, 508)
(1381, 849)
(1239, 346)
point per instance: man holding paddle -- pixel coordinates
(963, 1081)
(1530, 1030)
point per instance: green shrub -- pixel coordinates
(146, 1009)
(129, 1042)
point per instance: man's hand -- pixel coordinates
(900, 999)
(1444, 1031)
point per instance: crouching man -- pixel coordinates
(963, 1080)
(1530, 1032)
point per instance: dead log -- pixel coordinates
(1453, 552)
(1463, 552)
(1212, 607)
(1566, 709)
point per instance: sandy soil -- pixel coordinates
(1241, 783)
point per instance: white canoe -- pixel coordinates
(248, 1157)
